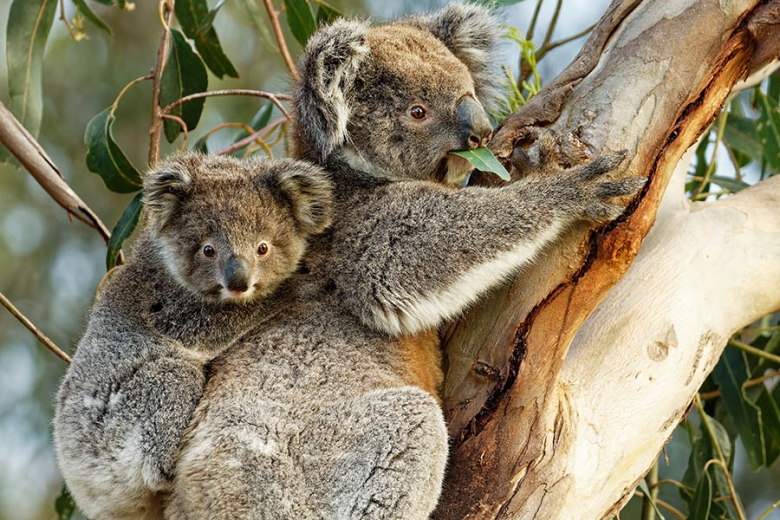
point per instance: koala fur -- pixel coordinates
(317, 413)
(138, 372)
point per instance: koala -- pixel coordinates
(322, 411)
(222, 239)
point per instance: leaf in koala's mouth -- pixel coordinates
(484, 160)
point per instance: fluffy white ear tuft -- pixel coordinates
(327, 68)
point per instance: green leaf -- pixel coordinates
(729, 183)
(208, 21)
(731, 373)
(184, 74)
(768, 127)
(740, 135)
(484, 160)
(646, 491)
(259, 21)
(194, 15)
(123, 229)
(770, 418)
(29, 22)
(64, 505)
(92, 17)
(300, 19)
(326, 13)
(105, 158)
(701, 502)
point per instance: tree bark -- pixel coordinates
(562, 388)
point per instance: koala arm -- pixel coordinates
(417, 253)
(121, 414)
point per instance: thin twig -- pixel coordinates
(274, 17)
(534, 19)
(155, 127)
(550, 46)
(274, 98)
(747, 384)
(771, 508)
(249, 139)
(721, 459)
(732, 491)
(648, 511)
(722, 118)
(666, 505)
(183, 126)
(553, 23)
(753, 350)
(77, 36)
(32, 328)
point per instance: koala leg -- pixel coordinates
(391, 452)
(117, 441)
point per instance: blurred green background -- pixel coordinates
(50, 267)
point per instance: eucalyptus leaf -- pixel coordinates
(64, 505)
(300, 19)
(197, 23)
(259, 21)
(768, 127)
(701, 502)
(84, 8)
(646, 491)
(728, 183)
(740, 135)
(29, 23)
(124, 228)
(770, 418)
(326, 13)
(484, 160)
(184, 74)
(106, 158)
(731, 373)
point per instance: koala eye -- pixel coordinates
(417, 112)
(262, 248)
(209, 251)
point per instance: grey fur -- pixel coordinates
(318, 413)
(138, 372)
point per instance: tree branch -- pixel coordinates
(274, 17)
(26, 149)
(155, 127)
(32, 328)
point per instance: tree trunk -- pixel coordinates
(562, 388)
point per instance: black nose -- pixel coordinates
(237, 275)
(475, 126)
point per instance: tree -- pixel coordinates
(562, 388)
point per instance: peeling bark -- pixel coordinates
(541, 432)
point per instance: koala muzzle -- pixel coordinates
(475, 126)
(237, 275)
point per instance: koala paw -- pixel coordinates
(594, 190)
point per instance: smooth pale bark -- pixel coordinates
(543, 432)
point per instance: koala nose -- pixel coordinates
(237, 275)
(475, 126)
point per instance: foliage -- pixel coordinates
(736, 402)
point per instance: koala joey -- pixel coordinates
(319, 412)
(221, 236)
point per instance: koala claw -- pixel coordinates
(620, 188)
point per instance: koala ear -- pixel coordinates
(327, 70)
(472, 32)
(165, 189)
(310, 193)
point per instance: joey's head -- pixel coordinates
(395, 100)
(232, 230)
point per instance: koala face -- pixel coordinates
(230, 230)
(395, 100)
(412, 103)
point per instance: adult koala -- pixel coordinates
(319, 413)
